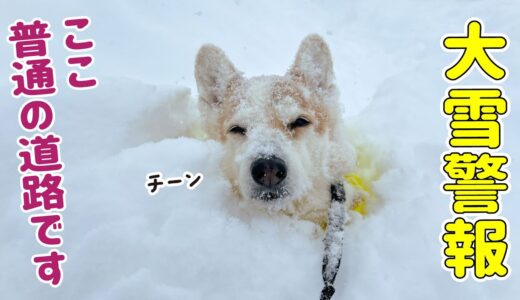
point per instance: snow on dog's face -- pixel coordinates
(277, 130)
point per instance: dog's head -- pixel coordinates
(279, 132)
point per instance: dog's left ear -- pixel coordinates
(213, 73)
(313, 63)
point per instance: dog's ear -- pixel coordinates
(213, 72)
(313, 63)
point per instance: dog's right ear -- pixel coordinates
(313, 63)
(213, 72)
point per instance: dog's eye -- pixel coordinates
(300, 122)
(235, 129)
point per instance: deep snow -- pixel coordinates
(180, 244)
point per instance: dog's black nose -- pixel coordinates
(268, 172)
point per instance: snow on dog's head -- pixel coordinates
(281, 133)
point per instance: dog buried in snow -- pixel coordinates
(283, 136)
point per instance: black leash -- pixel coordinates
(333, 240)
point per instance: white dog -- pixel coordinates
(283, 136)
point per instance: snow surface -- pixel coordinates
(180, 244)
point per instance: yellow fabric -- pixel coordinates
(360, 204)
(369, 168)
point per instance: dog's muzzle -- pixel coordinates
(269, 172)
